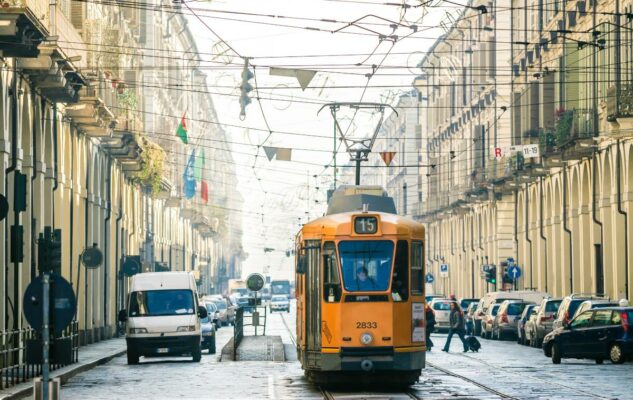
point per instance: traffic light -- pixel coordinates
(55, 252)
(491, 275)
(245, 89)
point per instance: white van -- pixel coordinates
(498, 297)
(163, 316)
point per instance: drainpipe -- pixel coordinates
(527, 231)
(543, 234)
(569, 232)
(117, 246)
(86, 225)
(594, 209)
(12, 167)
(33, 177)
(106, 242)
(55, 166)
(625, 214)
(72, 207)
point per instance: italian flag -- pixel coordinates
(182, 130)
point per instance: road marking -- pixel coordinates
(271, 387)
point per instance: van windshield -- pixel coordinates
(152, 303)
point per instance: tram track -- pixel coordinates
(472, 381)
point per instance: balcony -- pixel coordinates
(125, 148)
(620, 108)
(23, 27)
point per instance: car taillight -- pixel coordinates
(624, 318)
(545, 318)
(504, 317)
(566, 319)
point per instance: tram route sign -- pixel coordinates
(444, 270)
(255, 282)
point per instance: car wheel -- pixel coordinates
(556, 355)
(615, 354)
(519, 339)
(212, 347)
(548, 351)
(196, 353)
(132, 357)
(599, 361)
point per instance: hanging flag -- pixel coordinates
(188, 179)
(270, 152)
(182, 130)
(387, 156)
(204, 192)
(197, 171)
(284, 154)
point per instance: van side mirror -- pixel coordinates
(122, 315)
(202, 312)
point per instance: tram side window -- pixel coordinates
(400, 279)
(417, 269)
(331, 277)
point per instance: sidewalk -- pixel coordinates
(90, 356)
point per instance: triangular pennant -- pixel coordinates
(270, 152)
(387, 156)
(284, 154)
(182, 130)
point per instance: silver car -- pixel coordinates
(488, 319)
(544, 322)
(507, 319)
(442, 310)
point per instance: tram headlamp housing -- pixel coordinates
(366, 338)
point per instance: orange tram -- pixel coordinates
(360, 292)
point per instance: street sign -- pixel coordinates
(514, 272)
(429, 278)
(131, 266)
(63, 303)
(444, 270)
(92, 257)
(531, 151)
(528, 151)
(255, 282)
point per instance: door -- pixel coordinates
(575, 337)
(600, 333)
(313, 297)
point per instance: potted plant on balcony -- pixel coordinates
(564, 124)
(152, 166)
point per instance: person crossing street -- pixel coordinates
(457, 326)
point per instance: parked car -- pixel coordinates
(530, 325)
(521, 324)
(464, 303)
(469, 318)
(507, 318)
(208, 334)
(594, 334)
(223, 311)
(212, 310)
(593, 304)
(487, 320)
(568, 308)
(543, 323)
(529, 296)
(279, 302)
(442, 310)
(430, 297)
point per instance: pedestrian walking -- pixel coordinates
(430, 326)
(456, 327)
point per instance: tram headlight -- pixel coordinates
(366, 338)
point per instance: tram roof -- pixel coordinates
(341, 224)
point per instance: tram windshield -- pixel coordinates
(366, 265)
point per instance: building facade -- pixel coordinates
(520, 75)
(85, 120)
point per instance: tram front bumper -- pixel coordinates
(398, 361)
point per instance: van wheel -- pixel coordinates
(556, 356)
(615, 354)
(132, 357)
(196, 353)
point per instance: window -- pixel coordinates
(552, 306)
(417, 269)
(495, 310)
(366, 265)
(516, 308)
(602, 318)
(400, 279)
(583, 320)
(331, 278)
(442, 306)
(161, 302)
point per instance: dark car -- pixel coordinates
(525, 316)
(595, 334)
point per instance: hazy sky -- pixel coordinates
(288, 193)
